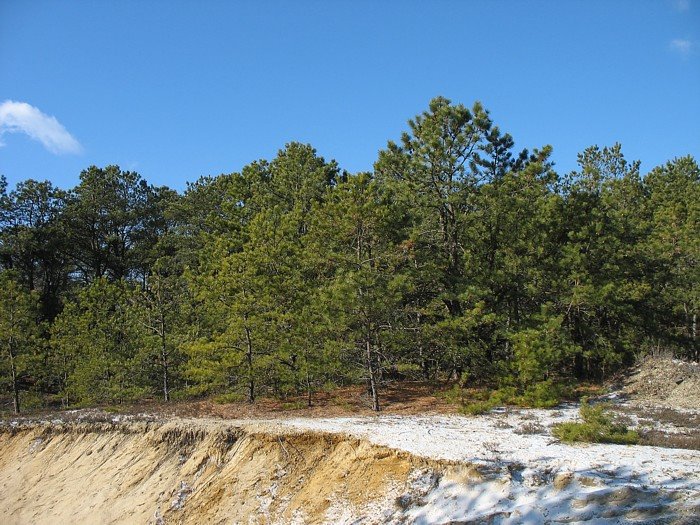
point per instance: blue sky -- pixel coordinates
(176, 90)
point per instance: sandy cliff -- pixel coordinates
(208, 471)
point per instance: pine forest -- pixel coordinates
(459, 260)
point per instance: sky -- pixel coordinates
(178, 90)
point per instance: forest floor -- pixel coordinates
(659, 397)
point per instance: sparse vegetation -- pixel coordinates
(530, 428)
(544, 394)
(597, 427)
(657, 438)
(229, 397)
(294, 405)
(476, 408)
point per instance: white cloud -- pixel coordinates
(20, 117)
(682, 46)
(681, 5)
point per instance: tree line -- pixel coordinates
(457, 258)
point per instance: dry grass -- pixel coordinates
(530, 428)
(662, 426)
(658, 438)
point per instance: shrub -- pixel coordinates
(477, 407)
(541, 349)
(229, 397)
(504, 395)
(31, 401)
(340, 402)
(454, 395)
(295, 405)
(545, 394)
(597, 427)
(530, 428)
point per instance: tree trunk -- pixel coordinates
(166, 367)
(164, 359)
(307, 379)
(372, 376)
(695, 336)
(15, 385)
(13, 367)
(249, 360)
(309, 398)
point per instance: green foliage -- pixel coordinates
(259, 329)
(97, 342)
(159, 309)
(455, 395)
(294, 405)
(107, 220)
(19, 338)
(31, 400)
(544, 394)
(228, 397)
(606, 292)
(457, 259)
(432, 173)
(541, 352)
(477, 408)
(364, 298)
(672, 248)
(32, 241)
(504, 396)
(597, 427)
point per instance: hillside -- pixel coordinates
(90, 467)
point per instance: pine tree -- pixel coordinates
(19, 336)
(96, 343)
(673, 248)
(356, 231)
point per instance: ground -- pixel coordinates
(337, 462)
(656, 397)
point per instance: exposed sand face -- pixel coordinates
(439, 469)
(190, 472)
